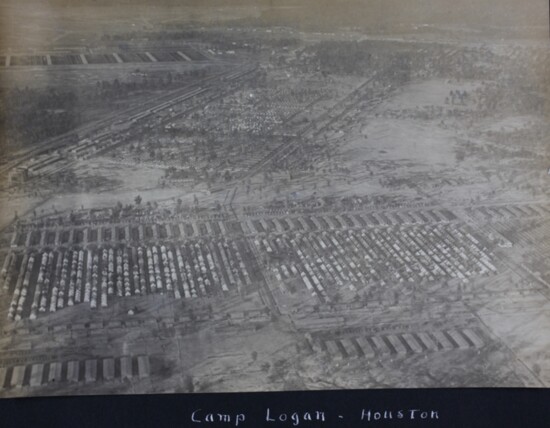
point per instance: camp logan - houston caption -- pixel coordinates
(292, 418)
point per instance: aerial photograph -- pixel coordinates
(271, 195)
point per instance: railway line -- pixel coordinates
(122, 122)
(122, 119)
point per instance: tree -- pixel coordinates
(138, 200)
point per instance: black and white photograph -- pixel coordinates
(273, 195)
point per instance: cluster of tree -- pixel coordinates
(174, 173)
(30, 115)
(344, 57)
(116, 89)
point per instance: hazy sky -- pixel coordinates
(469, 13)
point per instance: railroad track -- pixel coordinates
(158, 103)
